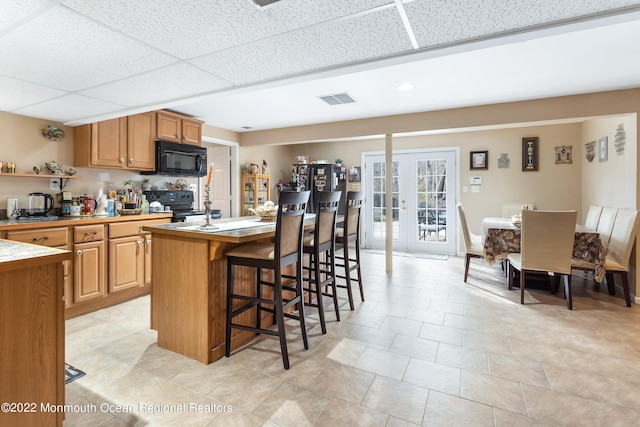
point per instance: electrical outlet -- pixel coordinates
(193, 187)
(54, 185)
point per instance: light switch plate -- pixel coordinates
(193, 187)
(475, 180)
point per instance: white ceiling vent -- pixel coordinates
(260, 4)
(337, 99)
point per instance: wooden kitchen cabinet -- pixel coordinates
(256, 189)
(89, 257)
(122, 143)
(178, 128)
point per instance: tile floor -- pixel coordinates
(424, 349)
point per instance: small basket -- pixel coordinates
(137, 211)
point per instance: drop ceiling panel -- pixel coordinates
(15, 10)
(217, 25)
(163, 85)
(437, 23)
(64, 50)
(348, 40)
(68, 108)
(18, 94)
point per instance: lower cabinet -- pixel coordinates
(88, 263)
(126, 262)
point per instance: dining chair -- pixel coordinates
(593, 217)
(350, 233)
(509, 209)
(623, 235)
(472, 242)
(605, 224)
(285, 250)
(546, 245)
(318, 244)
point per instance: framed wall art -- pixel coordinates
(479, 160)
(530, 154)
(563, 154)
(603, 149)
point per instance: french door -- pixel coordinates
(423, 210)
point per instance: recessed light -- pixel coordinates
(405, 86)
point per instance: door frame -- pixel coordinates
(455, 191)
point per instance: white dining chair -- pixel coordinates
(546, 245)
(472, 242)
(623, 235)
(593, 217)
(605, 224)
(511, 208)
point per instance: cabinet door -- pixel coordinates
(141, 141)
(192, 132)
(109, 143)
(147, 258)
(169, 127)
(126, 263)
(88, 271)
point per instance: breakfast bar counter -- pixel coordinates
(188, 296)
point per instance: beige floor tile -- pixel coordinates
(341, 413)
(463, 357)
(464, 322)
(426, 315)
(343, 351)
(397, 398)
(486, 342)
(373, 337)
(559, 408)
(613, 415)
(383, 362)
(246, 391)
(342, 382)
(492, 391)
(401, 325)
(433, 376)
(441, 333)
(578, 383)
(447, 410)
(418, 348)
(290, 405)
(518, 369)
(510, 419)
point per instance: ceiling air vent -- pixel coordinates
(263, 3)
(337, 99)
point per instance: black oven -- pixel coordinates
(179, 159)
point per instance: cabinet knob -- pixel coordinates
(131, 160)
(122, 159)
(139, 243)
(79, 252)
(149, 242)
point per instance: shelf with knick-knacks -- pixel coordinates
(256, 189)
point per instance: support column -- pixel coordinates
(388, 154)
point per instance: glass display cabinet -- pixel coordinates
(255, 190)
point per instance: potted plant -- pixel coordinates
(338, 162)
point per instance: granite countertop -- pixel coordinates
(10, 224)
(15, 255)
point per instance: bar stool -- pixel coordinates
(285, 250)
(351, 233)
(322, 273)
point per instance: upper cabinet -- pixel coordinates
(122, 143)
(178, 128)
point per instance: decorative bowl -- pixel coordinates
(266, 212)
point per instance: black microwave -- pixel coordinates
(179, 159)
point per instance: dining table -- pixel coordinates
(501, 236)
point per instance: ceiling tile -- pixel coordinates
(218, 24)
(15, 10)
(69, 108)
(63, 50)
(440, 22)
(18, 94)
(163, 85)
(348, 40)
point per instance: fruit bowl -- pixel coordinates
(266, 212)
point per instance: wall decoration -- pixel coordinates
(354, 174)
(530, 154)
(479, 160)
(503, 161)
(52, 133)
(563, 154)
(621, 139)
(603, 149)
(590, 151)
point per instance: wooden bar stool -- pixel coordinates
(351, 233)
(285, 250)
(322, 272)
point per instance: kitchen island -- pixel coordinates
(32, 333)
(188, 297)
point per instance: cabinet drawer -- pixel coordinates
(132, 228)
(88, 233)
(45, 237)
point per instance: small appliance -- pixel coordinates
(179, 159)
(40, 204)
